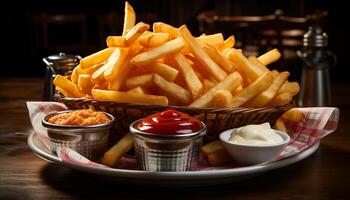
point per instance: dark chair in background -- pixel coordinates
(61, 32)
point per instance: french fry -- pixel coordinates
(269, 57)
(96, 58)
(228, 43)
(75, 74)
(230, 83)
(98, 76)
(219, 158)
(65, 93)
(192, 81)
(166, 71)
(113, 155)
(160, 27)
(128, 97)
(135, 32)
(138, 90)
(239, 89)
(120, 77)
(248, 68)
(291, 87)
(85, 84)
(220, 59)
(202, 57)
(129, 18)
(173, 90)
(154, 54)
(253, 89)
(216, 40)
(281, 99)
(211, 147)
(266, 96)
(145, 80)
(207, 85)
(280, 125)
(153, 39)
(254, 60)
(222, 99)
(115, 41)
(115, 61)
(293, 115)
(275, 72)
(67, 85)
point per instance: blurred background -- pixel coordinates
(34, 29)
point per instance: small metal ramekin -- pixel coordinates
(89, 141)
(156, 152)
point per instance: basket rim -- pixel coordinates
(60, 98)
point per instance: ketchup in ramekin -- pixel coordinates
(167, 141)
(169, 122)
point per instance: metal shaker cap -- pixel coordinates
(315, 37)
(63, 58)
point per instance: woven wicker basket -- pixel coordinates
(217, 120)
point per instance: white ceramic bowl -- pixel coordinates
(253, 154)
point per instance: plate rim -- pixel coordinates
(205, 174)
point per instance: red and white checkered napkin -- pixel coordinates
(318, 122)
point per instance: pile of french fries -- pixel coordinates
(169, 66)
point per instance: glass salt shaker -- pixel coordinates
(62, 64)
(317, 60)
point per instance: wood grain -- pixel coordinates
(324, 175)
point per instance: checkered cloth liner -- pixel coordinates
(318, 122)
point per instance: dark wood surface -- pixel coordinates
(324, 175)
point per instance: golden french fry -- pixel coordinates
(269, 57)
(135, 32)
(291, 87)
(153, 39)
(192, 81)
(145, 80)
(207, 85)
(75, 74)
(113, 155)
(280, 125)
(173, 90)
(281, 99)
(120, 77)
(293, 115)
(216, 40)
(202, 57)
(222, 99)
(160, 27)
(64, 92)
(138, 90)
(230, 83)
(275, 72)
(253, 89)
(154, 54)
(220, 59)
(96, 58)
(243, 64)
(115, 41)
(239, 89)
(85, 84)
(129, 18)
(254, 60)
(211, 147)
(128, 97)
(219, 158)
(166, 71)
(66, 85)
(266, 96)
(228, 43)
(115, 61)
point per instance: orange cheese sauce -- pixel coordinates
(85, 117)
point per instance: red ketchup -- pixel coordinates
(169, 122)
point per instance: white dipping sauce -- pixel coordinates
(255, 135)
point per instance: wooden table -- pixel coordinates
(324, 175)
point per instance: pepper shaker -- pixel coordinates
(317, 60)
(62, 64)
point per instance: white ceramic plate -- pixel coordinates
(189, 178)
